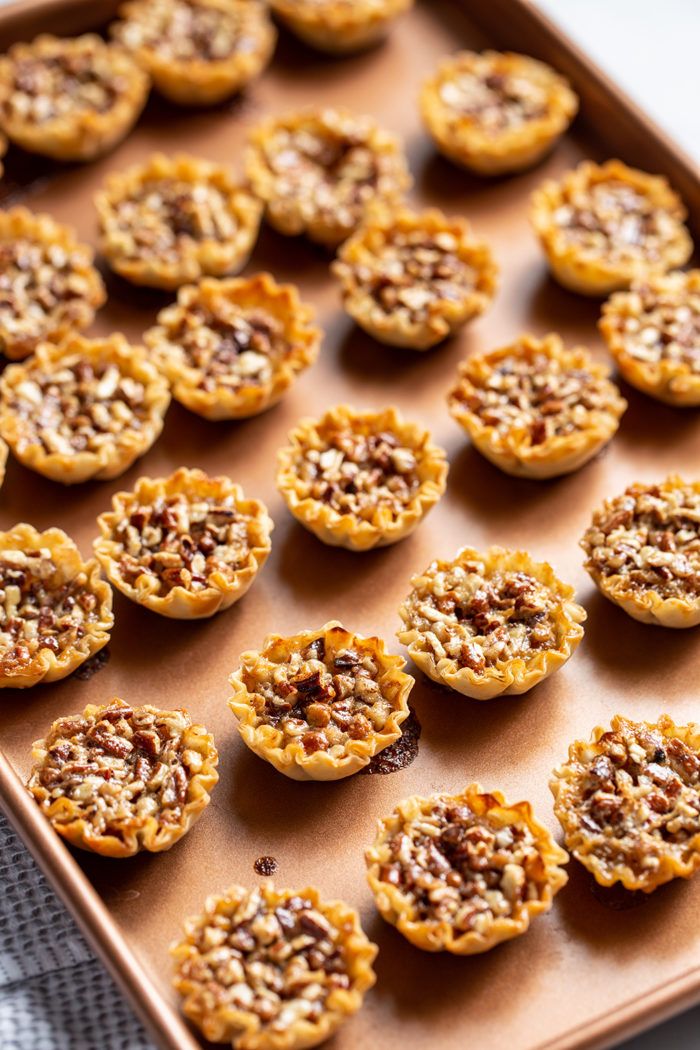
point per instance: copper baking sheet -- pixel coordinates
(597, 967)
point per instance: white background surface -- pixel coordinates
(651, 47)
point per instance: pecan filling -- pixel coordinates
(614, 219)
(361, 474)
(635, 796)
(665, 326)
(279, 962)
(649, 537)
(41, 286)
(63, 84)
(325, 174)
(536, 396)
(323, 699)
(481, 620)
(412, 271)
(463, 869)
(229, 347)
(183, 30)
(78, 407)
(166, 213)
(494, 101)
(125, 764)
(38, 610)
(181, 542)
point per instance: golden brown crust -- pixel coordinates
(629, 801)
(398, 476)
(71, 607)
(603, 226)
(227, 543)
(341, 964)
(536, 409)
(232, 348)
(429, 860)
(339, 26)
(71, 126)
(643, 552)
(490, 624)
(320, 704)
(109, 409)
(118, 779)
(653, 332)
(496, 112)
(319, 170)
(153, 231)
(198, 52)
(413, 279)
(51, 287)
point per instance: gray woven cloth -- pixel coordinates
(54, 995)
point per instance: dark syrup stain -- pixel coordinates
(617, 898)
(401, 753)
(92, 666)
(265, 866)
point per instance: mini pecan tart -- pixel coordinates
(198, 52)
(653, 332)
(536, 409)
(360, 479)
(55, 612)
(461, 873)
(490, 624)
(186, 546)
(175, 219)
(413, 279)
(339, 26)
(119, 779)
(321, 704)
(83, 410)
(70, 99)
(319, 170)
(643, 552)
(629, 802)
(495, 112)
(269, 969)
(49, 287)
(605, 225)
(233, 348)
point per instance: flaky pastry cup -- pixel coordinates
(87, 133)
(626, 318)
(324, 226)
(44, 664)
(70, 818)
(442, 316)
(433, 935)
(267, 741)
(594, 273)
(675, 862)
(201, 81)
(3, 459)
(460, 137)
(514, 451)
(505, 677)
(3, 151)
(112, 458)
(222, 1023)
(645, 605)
(77, 310)
(179, 602)
(339, 27)
(259, 294)
(349, 530)
(195, 258)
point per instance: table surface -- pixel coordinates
(651, 51)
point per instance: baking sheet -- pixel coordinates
(597, 965)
